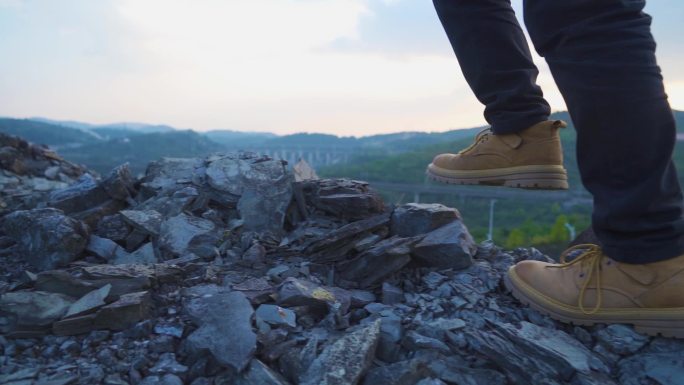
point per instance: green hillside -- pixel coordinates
(139, 150)
(45, 133)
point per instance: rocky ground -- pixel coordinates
(229, 270)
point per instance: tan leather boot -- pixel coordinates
(531, 159)
(592, 288)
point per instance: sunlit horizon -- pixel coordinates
(342, 67)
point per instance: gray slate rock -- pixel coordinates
(621, 339)
(167, 364)
(89, 302)
(379, 262)
(263, 184)
(652, 368)
(400, 373)
(276, 315)
(84, 194)
(177, 233)
(225, 329)
(450, 246)
(555, 354)
(421, 218)
(106, 249)
(125, 312)
(31, 309)
(259, 374)
(46, 237)
(346, 360)
(147, 221)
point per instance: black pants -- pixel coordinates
(602, 57)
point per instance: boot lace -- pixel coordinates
(591, 256)
(482, 136)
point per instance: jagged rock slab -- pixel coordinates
(652, 368)
(414, 219)
(145, 255)
(263, 184)
(377, 263)
(125, 312)
(259, 374)
(450, 246)
(105, 248)
(346, 360)
(148, 221)
(177, 233)
(399, 373)
(554, 354)
(298, 292)
(621, 339)
(334, 245)
(31, 310)
(89, 302)
(167, 173)
(225, 330)
(343, 198)
(46, 237)
(84, 194)
(276, 315)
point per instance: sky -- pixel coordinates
(345, 67)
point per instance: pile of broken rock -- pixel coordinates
(225, 270)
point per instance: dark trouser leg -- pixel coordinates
(602, 56)
(495, 60)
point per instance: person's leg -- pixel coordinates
(522, 148)
(602, 56)
(496, 61)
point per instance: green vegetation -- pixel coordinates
(44, 133)
(141, 149)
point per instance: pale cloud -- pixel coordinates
(349, 67)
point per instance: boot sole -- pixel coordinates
(540, 177)
(667, 322)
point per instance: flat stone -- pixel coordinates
(46, 237)
(34, 309)
(450, 246)
(621, 339)
(124, 313)
(421, 218)
(147, 221)
(89, 302)
(346, 360)
(276, 315)
(225, 329)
